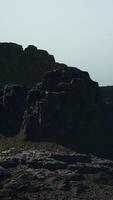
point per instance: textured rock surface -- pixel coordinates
(63, 100)
(66, 106)
(13, 104)
(55, 175)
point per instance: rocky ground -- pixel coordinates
(39, 174)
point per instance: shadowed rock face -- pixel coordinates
(74, 82)
(63, 101)
(107, 94)
(12, 107)
(16, 64)
(65, 106)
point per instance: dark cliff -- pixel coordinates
(16, 63)
(64, 104)
(107, 94)
(60, 101)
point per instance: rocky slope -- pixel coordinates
(65, 107)
(34, 174)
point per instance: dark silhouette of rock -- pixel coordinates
(67, 107)
(26, 67)
(13, 104)
(107, 94)
(60, 103)
(64, 104)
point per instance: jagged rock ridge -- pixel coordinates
(66, 105)
(16, 63)
(62, 98)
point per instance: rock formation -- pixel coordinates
(62, 101)
(48, 101)
(12, 107)
(65, 105)
(16, 64)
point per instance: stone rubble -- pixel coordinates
(33, 174)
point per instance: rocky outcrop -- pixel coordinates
(61, 103)
(64, 106)
(67, 107)
(26, 67)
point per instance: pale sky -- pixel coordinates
(77, 32)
